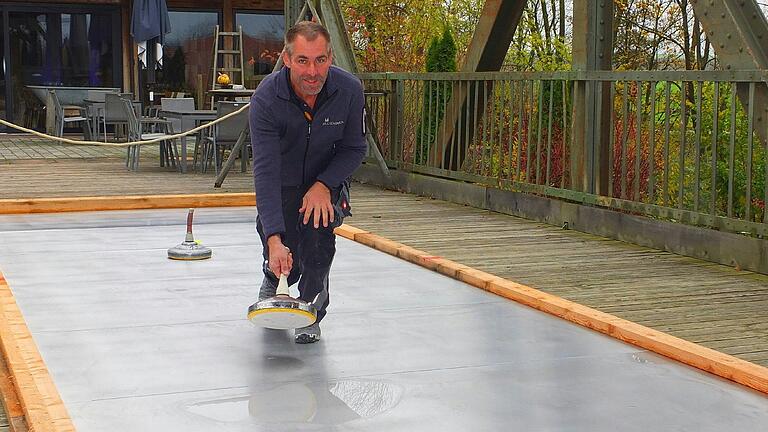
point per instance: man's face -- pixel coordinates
(309, 65)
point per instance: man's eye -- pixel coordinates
(321, 60)
(302, 61)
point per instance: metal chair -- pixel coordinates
(113, 111)
(95, 109)
(181, 104)
(61, 119)
(177, 104)
(224, 135)
(168, 153)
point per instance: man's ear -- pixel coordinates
(286, 58)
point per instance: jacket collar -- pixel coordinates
(284, 80)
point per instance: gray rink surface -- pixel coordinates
(137, 342)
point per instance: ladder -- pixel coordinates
(228, 56)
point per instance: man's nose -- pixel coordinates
(311, 68)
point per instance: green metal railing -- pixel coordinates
(684, 146)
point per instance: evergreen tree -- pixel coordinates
(441, 57)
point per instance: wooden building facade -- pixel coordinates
(87, 43)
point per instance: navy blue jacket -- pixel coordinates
(290, 151)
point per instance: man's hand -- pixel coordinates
(317, 204)
(280, 258)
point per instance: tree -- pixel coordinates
(392, 36)
(441, 57)
(541, 42)
(174, 73)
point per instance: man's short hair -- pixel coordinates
(309, 30)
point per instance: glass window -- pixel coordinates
(262, 41)
(187, 62)
(58, 49)
(62, 49)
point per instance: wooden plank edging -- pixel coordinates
(720, 364)
(41, 404)
(10, 400)
(125, 202)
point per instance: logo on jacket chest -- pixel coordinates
(328, 122)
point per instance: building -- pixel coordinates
(87, 43)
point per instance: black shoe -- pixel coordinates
(267, 290)
(309, 334)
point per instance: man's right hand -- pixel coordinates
(280, 258)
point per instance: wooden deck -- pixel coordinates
(717, 306)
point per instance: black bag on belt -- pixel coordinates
(341, 206)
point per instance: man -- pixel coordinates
(308, 136)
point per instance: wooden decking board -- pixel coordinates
(755, 357)
(107, 177)
(572, 272)
(675, 288)
(703, 328)
(744, 319)
(653, 317)
(748, 303)
(752, 336)
(736, 345)
(681, 315)
(647, 302)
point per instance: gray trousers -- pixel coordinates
(312, 248)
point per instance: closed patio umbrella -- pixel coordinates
(149, 25)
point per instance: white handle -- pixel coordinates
(282, 286)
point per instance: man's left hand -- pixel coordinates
(317, 204)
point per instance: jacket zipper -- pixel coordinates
(306, 147)
(306, 151)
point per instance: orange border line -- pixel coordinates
(125, 202)
(709, 360)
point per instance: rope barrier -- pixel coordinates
(130, 143)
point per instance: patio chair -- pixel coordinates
(61, 119)
(224, 135)
(95, 109)
(168, 151)
(177, 104)
(113, 111)
(180, 104)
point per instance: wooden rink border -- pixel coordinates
(126, 202)
(35, 391)
(43, 409)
